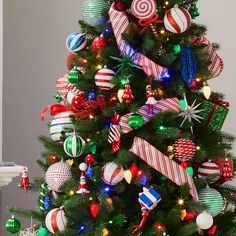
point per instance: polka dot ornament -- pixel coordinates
(184, 149)
(57, 174)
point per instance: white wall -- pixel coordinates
(219, 16)
(34, 56)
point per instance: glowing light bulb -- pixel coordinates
(181, 201)
(72, 193)
(162, 31)
(206, 90)
(99, 67)
(198, 148)
(128, 176)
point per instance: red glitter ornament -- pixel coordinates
(89, 158)
(134, 170)
(120, 6)
(79, 101)
(71, 56)
(52, 158)
(99, 43)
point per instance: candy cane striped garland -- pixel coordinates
(170, 104)
(161, 163)
(114, 133)
(120, 22)
(42, 196)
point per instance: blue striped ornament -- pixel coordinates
(61, 125)
(74, 145)
(76, 42)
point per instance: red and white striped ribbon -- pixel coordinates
(217, 64)
(164, 165)
(120, 22)
(169, 104)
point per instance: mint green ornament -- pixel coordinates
(190, 170)
(182, 103)
(42, 231)
(92, 12)
(176, 49)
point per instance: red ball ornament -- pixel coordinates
(115, 119)
(184, 164)
(99, 43)
(189, 216)
(120, 6)
(134, 170)
(89, 158)
(94, 208)
(52, 158)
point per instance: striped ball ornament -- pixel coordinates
(208, 169)
(74, 76)
(92, 12)
(76, 42)
(177, 20)
(112, 173)
(55, 220)
(74, 145)
(62, 126)
(103, 79)
(212, 199)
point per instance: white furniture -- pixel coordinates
(8, 171)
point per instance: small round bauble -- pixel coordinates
(204, 221)
(89, 158)
(212, 199)
(55, 220)
(76, 42)
(62, 125)
(103, 79)
(112, 173)
(208, 169)
(99, 43)
(42, 231)
(184, 149)
(91, 95)
(57, 174)
(177, 20)
(74, 76)
(135, 121)
(92, 12)
(13, 225)
(74, 145)
(83, 166)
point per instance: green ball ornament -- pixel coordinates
(135, 121)
(212, 199)
(42, 231)
(92, 12)
(177, 49)
(190, 170)
(13, 225)
(74, 76)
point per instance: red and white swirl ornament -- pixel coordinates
(55, 220)
(112, 173)
(177, 20)
(207, 169)
(143, 9)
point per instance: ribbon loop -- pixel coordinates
(54, 110)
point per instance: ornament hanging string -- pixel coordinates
(161, 163)
(145, 23)
(120, 22)
(164, 105)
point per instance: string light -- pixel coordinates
(90, 199)
(99, 67)
(198, 79)
(140, 173)
(166, 3)
(110, 222)
(88, 139)
(198, 148)
(91, 116)
(181, 201)
(162, 31)
(72, 193)
(109, 201)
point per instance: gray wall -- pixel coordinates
(34, 56)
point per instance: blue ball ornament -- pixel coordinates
(89, 172)
(92, 95)
(47, 202)
(144, 180)
(76, 42)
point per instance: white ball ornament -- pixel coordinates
(207, 169)
(112, 173)
(177, 20)
(62, 126)
(76, 42)
(83, 166)
(57, 174)
(204, 221)
(103, 79)
(55, 220)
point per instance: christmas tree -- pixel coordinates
(135, 145)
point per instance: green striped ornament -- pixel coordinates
(74, 145)
(42, 196)
(73, 76)
(92, 12)
(212, 199)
